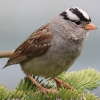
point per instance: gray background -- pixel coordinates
(19, 18)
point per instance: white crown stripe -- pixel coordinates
(83, 12)
(71, 15)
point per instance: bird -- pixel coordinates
(54, 47)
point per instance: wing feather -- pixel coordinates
(35, 45)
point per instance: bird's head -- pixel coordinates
(78, 17)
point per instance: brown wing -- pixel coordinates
(35, 45)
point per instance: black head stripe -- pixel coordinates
(89, 19)
(64, 14)
(79, 14)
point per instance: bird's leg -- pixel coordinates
(44, 90)
(60, 83)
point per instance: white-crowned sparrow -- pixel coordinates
(54, 47)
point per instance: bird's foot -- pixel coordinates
(60, 83)
(44, 90)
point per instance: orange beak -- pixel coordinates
(90, 26)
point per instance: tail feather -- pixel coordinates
(8, 64)
(5, 66)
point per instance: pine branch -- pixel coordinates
(26, 90)
(83, 80)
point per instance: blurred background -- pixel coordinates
(19, 18)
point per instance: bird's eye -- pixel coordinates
(88, 22)
(78, 23)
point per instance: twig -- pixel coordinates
(6, 54)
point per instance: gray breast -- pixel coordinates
(60, 56)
